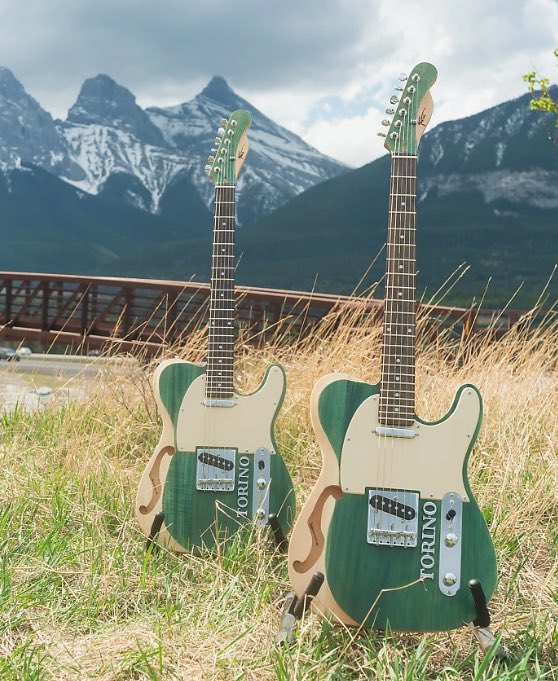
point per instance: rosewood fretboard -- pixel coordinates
(397, 394)
(220, 353)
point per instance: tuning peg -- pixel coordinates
(211, 159)
(399, 89)
(390, 112)
(214, 150)
(224, 121)
(415, 78)
(412, 89)
(221, 131)
(402, 76)
(386, 122)
(207, 169)
(382, 134)
(393, 99)
(217, 140)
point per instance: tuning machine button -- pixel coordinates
(217, 140)
(207, 169)
(402, 76)
(210, 159)
(382, 134)
(386, 123)
(224, 121)
(221, 132)
(393, 99)
(390, 112)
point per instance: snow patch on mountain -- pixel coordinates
(102, 151)
(536, 187)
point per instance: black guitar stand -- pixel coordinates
(481, 623)
(281, 542)
(294, 608)
(154, 531)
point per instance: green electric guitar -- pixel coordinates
(216, 466)
(392, 523)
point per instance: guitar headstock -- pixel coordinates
(412, 110)
(231, 149)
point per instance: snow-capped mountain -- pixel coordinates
(107, 135)
(504, 154)
(280, 164)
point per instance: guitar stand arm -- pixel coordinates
(281, 542)
(481, 623)
(154, 531)
(294, 608)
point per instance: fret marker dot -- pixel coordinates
(408, 330)
(398, 360)
(397, 378)
(396, 394)
(396, 408)
(400, 267)
(403, 203)
(400, 293)
(401, 236)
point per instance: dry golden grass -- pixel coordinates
(80, 599)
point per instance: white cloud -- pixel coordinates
(323, 69)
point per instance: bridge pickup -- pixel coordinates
(216, 461)
(392, 517)
(382, 503)
(385, 431)
(215, 471)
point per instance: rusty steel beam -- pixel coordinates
(152, 313)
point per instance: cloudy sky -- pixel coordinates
(323, 68)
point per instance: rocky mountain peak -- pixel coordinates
(27, 131)
(218, 90)
(102, 101)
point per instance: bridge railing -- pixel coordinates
(151, 314)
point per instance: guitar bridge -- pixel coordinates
(392, 517)
(215, 470)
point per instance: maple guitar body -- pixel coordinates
(240, 436)
(387, 585)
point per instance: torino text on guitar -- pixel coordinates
(216, 465)
(392, 522)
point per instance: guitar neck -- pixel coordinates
(220, 352)
(397, 394)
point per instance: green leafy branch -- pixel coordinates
(540, 88)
